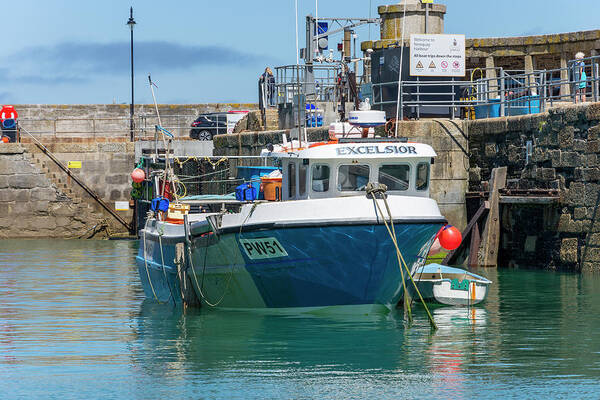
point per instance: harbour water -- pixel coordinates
(74, 324)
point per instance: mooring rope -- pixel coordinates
(229, 278)
(200, 286)
(162, 258)
(373, 190)
(145, 261)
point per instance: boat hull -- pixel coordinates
(445, 294)
(305, 255)
(451, 286)
(159, 278)
(310, 268)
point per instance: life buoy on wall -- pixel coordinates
(8, 112)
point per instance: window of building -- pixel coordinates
(353, 177)
(320, 178)
(395, 176)
(422, 176)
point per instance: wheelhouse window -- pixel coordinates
(422, 176)
(352, 177)
(302, 179)
(320, 178)
(395, 176)
(292, 180)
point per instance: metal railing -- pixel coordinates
(287, 77)
(505, 93)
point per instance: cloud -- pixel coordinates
(76, 59)
(48, 80)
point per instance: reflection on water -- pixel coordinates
(73, 320)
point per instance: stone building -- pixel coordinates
(522, 53)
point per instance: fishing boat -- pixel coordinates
(451, 286)
(322, 239)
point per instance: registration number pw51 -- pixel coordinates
(260, 248)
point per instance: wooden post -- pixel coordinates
(474, 246)
(491, 232)
(473, 223)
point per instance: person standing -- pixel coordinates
(266, 89)
(580, 78)
(270, 79)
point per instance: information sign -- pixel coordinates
(437, 55)
(121, 205)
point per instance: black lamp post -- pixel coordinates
(131, 23)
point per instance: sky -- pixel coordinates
(204, 51)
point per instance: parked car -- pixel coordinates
(207, 125)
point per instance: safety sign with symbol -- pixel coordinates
(437, 55)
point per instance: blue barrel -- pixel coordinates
(9, 129)
(9, 123)
(253, 174)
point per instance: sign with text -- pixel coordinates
(260, 248)
(437, 55)
(121, 205)
(74, 164)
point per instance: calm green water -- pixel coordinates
(74, 324)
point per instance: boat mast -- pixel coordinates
(167, 144)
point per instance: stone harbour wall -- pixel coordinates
(557, 150)
(108, 122)
(37, 199)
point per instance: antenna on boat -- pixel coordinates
(167, 143)
(152, 84)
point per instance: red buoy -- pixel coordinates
(450, 237)
(138, 175)
(5, 139)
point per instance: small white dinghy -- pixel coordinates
(451, 286)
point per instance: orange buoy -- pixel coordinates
(450, 237)
(5, 139)
(138, 175)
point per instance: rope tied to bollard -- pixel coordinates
(378, 190)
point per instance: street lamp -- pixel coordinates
(131, 23)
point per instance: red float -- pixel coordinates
(8, 112)
(138, 175)
(450, 237)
